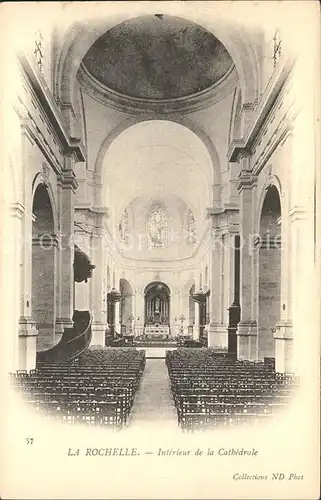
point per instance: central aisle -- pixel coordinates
(153, 402)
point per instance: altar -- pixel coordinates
(157, 332)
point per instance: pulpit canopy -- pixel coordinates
(82, 266)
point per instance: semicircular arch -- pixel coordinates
(184, 121)
(274, 181)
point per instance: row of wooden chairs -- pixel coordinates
(96, 389)
(210, 390)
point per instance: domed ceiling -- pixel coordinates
(157, 57)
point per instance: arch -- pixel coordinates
(181, 120)
(188, 285)
(157, 304)
(42, 179)
(272, 180)
(269, 271)
(80, 37)
(156, 283)
(43, 304)
(42, 211)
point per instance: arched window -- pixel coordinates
(38, 50)
(157, 229)
(191, 227)
(277, 46)
(123, 226)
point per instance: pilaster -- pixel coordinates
(247, 340)
(224, 226)
(67, 185)
(283, 336)
(247, 328)
(196, 326)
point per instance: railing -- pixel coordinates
(73, 342)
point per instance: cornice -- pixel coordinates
(240, 148)
(298, 213)
(226, 209)
(277, 139)
(34, 135)
(224, 219)
(17, 210)
(131, 105)
(246, 180)
(67, 180)
(70, 145)
(100, 211)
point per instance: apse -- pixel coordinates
(157, 158)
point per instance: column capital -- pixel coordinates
(67, 180)
(237, 151)
(224, 220)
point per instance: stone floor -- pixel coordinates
(153, 402)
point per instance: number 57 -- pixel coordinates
(29, 440)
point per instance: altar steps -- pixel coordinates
(158, 352)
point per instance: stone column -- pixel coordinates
(229, 247)
(10, 273)
(174, 311)
(247, 328)
(117, 317)
(196, 326)
(139, 311)
(217, 334)
(67, 186)
(99, 323)
(283, 334)
(27, 327)
(43, 288)
(303, 297)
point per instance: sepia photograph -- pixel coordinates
(160, 250)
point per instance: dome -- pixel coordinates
(157, 57)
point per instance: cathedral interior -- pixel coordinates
(161, 218)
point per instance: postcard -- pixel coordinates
(160, 250)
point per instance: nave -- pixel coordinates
(153, 402)
(195, 389)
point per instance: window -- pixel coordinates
(123, 226)
(277, 46)
(157, 229)
(38, 50)
(191, 227)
